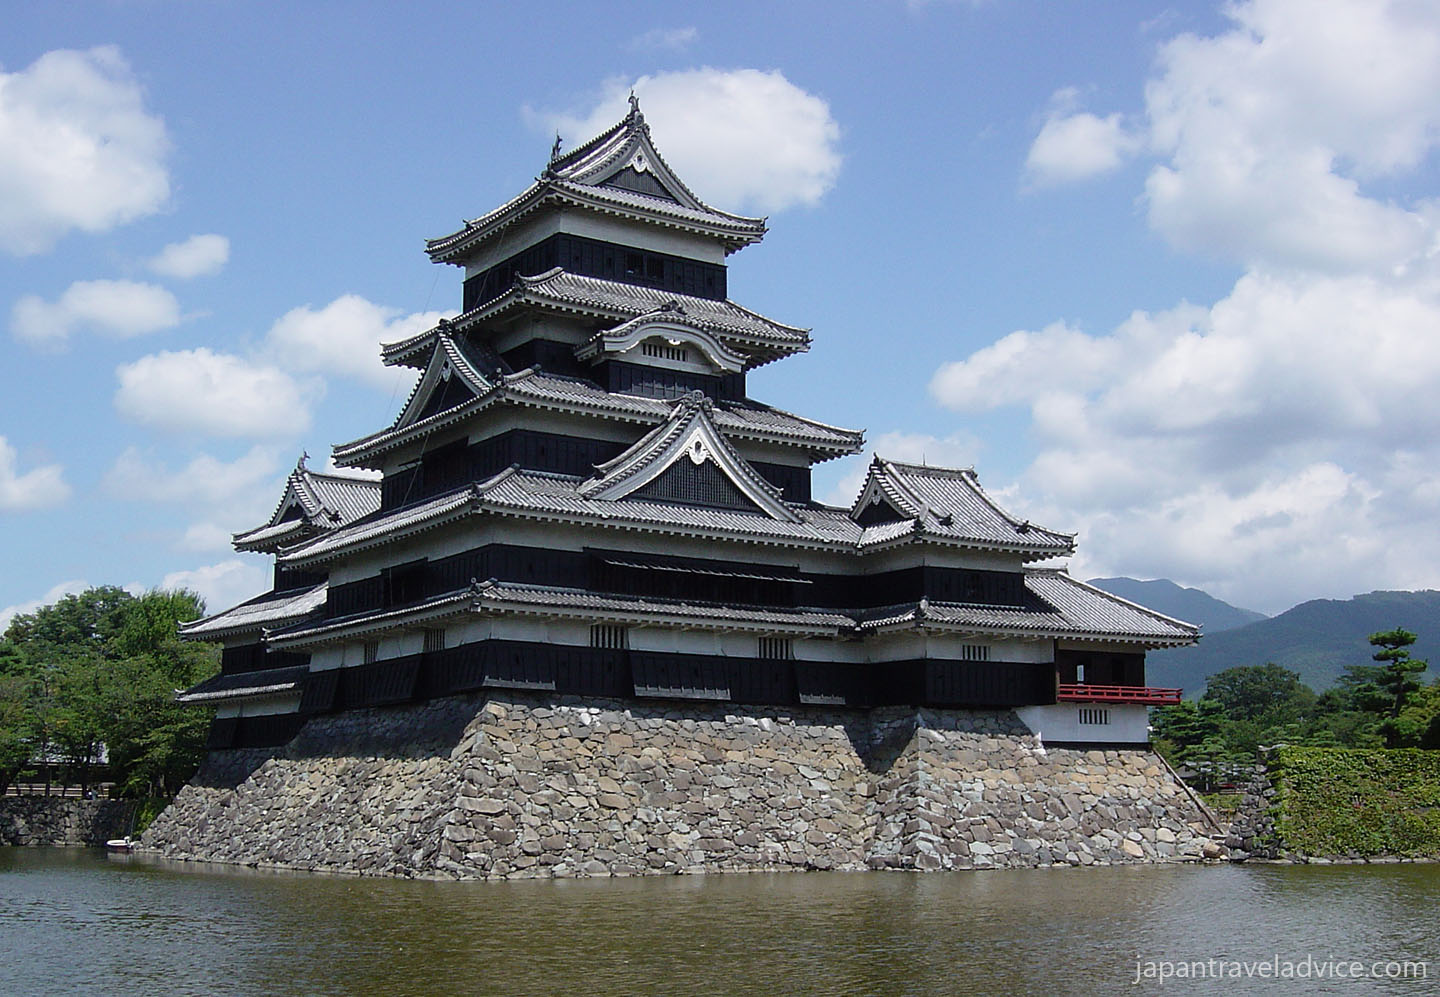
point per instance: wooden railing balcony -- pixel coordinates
(1081, 692)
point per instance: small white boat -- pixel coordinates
(121, 846)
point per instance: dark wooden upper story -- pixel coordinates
(594, 258)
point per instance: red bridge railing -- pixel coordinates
(1080, 692)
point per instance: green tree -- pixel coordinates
(1399, 675)
(1269, 694)
(1384, 691)
(103, 667)
(16, 730)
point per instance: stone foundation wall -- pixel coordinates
(517, 785)
(53, 820)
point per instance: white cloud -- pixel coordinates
(207, 536)
(665, 39)
(197, 256)
(212, 393)
(119, 308)
(1078, 146)
(1276, 445)
(1266, 446)
(221, 496)
(742, 139)
(78, 150)
(222, 585)
(56, 593)
(32, 490)
(344, 338)
(1269, 133)
(205, 479)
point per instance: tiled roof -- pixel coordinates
(950, 503)
(269, 610)
(761, 338)
(242, 685)
(545, 599)
(435, 607)
(324, 500)
(1062, 608)
(579, 176)
(1097, 611)
(557, 497)
(1065, 607)
(744, 420)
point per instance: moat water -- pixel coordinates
(81, 922)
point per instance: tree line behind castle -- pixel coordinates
(1386, 704)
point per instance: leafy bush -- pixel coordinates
(1335, 801)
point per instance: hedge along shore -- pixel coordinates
(1338, 805)
(526, 785)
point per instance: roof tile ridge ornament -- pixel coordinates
(549, 173)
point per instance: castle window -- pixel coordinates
(370, 652)
(776, 649)
(434, 639)
(975, 652)
(1094, 716)
(609, 636)
(664, 351)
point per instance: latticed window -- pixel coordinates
(370, 652)
(434, 639)
(664, 351)
(609, 636)
(777, 648)
(1094, 716)
(975, 652)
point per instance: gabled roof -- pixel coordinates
(273, 609)
(312, 502)
(690, 435)
(533, 389)
(450, 359)
(758, 338)
(591, 176)
(947, 503)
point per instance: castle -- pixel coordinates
(580, 502)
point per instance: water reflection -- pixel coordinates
(75, 923)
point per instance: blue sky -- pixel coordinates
(1167, 276)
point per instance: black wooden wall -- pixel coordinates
(612, 673)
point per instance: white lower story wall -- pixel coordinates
(1096, 723)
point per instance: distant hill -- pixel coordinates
(1190, 605)
(1317, 639)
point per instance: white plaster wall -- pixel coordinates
(1129, 723)
(260, 706)
(906, 645)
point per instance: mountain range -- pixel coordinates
(1316, 638)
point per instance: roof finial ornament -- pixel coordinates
(634, 104)
(300, 464)
(555, 149)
